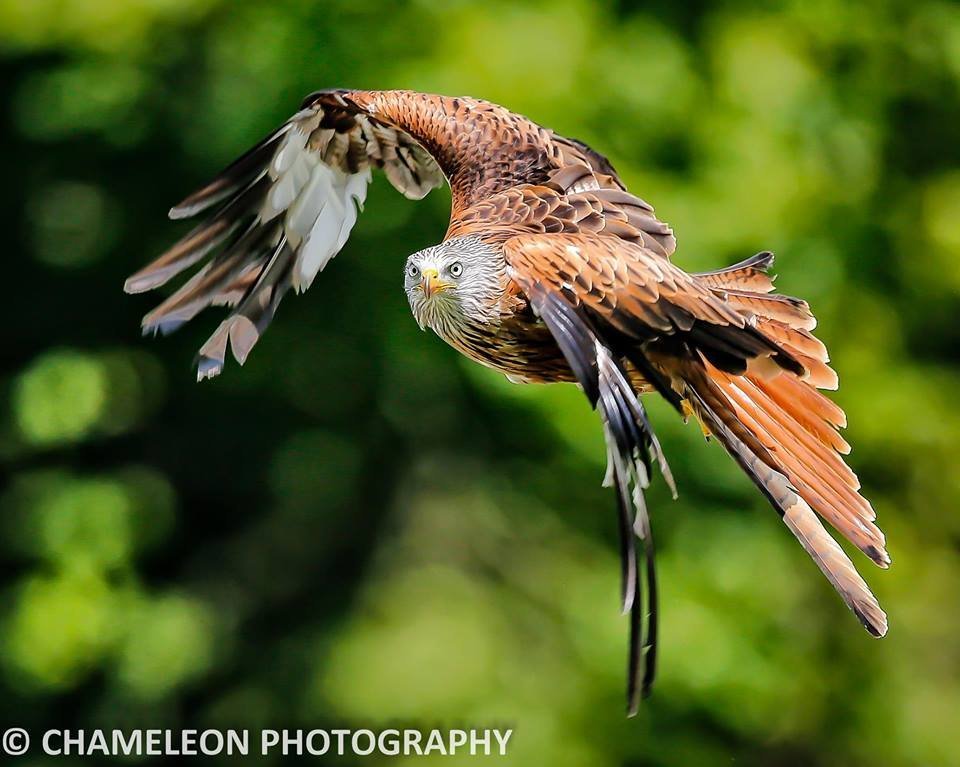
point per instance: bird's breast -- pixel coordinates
(520, 348)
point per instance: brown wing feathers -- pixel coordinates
(708, 333)
(552, 209)
(302, 183)
(645, 297)
(280, 213)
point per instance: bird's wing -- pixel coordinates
(641, 296)
(276, 216)
(576, 200)
(632, 449)
(718, 345)
(578, 153)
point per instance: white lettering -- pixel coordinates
(312, 748)
(205, 737)
(318, 742)
(96, 745)
(268, 739)
(411, 742)
(435, 743)
(475, 741)
(371, 742)
(340, 735)
(503, 738)
(457, 738)
(48, 737)
(70, 740)
(126, 746)
(388, 742)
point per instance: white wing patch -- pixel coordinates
(321, 202)
(275, 218)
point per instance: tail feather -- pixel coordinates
(810, 409)
(713, 407)
(783, 432)
(797, 340)
(815, 469)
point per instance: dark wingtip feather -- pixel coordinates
(164, 326)
(880, 557)
(636, 690)
(234, 177)
(761, 261)
(878, 632)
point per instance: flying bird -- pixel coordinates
(550, 271)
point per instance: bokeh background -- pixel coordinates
(359, 526)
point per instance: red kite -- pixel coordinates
(550, 271)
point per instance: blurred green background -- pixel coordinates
(359, 525)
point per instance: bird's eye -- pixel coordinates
(456, 269)
(413, 270)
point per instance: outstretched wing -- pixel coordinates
(742, 360)
(640, 296)
(276, 216)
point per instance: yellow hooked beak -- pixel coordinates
(431, 283)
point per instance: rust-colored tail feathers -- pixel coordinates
(783, 434)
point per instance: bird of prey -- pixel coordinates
(550, 271)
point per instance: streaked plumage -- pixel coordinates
(550, 271)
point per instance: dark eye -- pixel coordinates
(413, 270)
(456, 269)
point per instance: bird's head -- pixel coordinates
(456, 281)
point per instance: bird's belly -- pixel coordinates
(523, 351)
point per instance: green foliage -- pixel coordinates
(360, 526)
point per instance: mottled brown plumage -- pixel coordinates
(550, 271)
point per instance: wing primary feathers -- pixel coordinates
(638, 683)
(632, 446)
(235, 176)
(246, 324)
(629, 591)
(200, 240)
(303, 184)
(637, 686)
(250, 250)
(631, 449)
(650, 657)
(759, 262)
